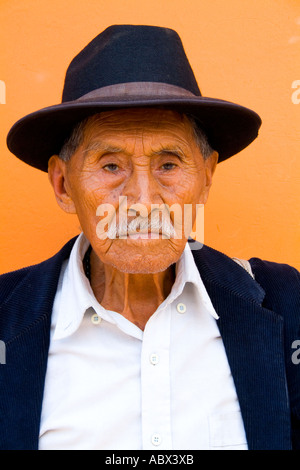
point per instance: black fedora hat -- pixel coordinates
(131, 66)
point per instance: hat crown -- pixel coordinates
(126, 54)
(131, 66)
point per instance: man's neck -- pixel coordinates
(135, 296)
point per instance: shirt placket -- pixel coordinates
(155, 383)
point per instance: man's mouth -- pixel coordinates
(144, 234)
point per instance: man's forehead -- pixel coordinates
(153, 122)
(138, 117)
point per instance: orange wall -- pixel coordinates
(243, 51)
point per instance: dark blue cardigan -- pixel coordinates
(259, 321)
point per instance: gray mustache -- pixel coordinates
(142, 225)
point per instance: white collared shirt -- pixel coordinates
(110, 385)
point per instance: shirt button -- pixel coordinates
(156, 439)
(154, 359)
(181, 308)
(95, 319)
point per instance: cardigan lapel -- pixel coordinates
(25, 321)
(253, 340)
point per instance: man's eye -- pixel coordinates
(111, 167)
(168, 166)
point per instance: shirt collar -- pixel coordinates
(75, 296)
(187, 272)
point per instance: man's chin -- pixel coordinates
(143, 256)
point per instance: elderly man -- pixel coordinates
(130, 337)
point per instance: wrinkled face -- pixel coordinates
(138, 162)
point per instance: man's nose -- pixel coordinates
(142, 190)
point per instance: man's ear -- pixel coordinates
(57, 175)
(210, 167)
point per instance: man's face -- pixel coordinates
(134, 161)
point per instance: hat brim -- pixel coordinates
(36, 137)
